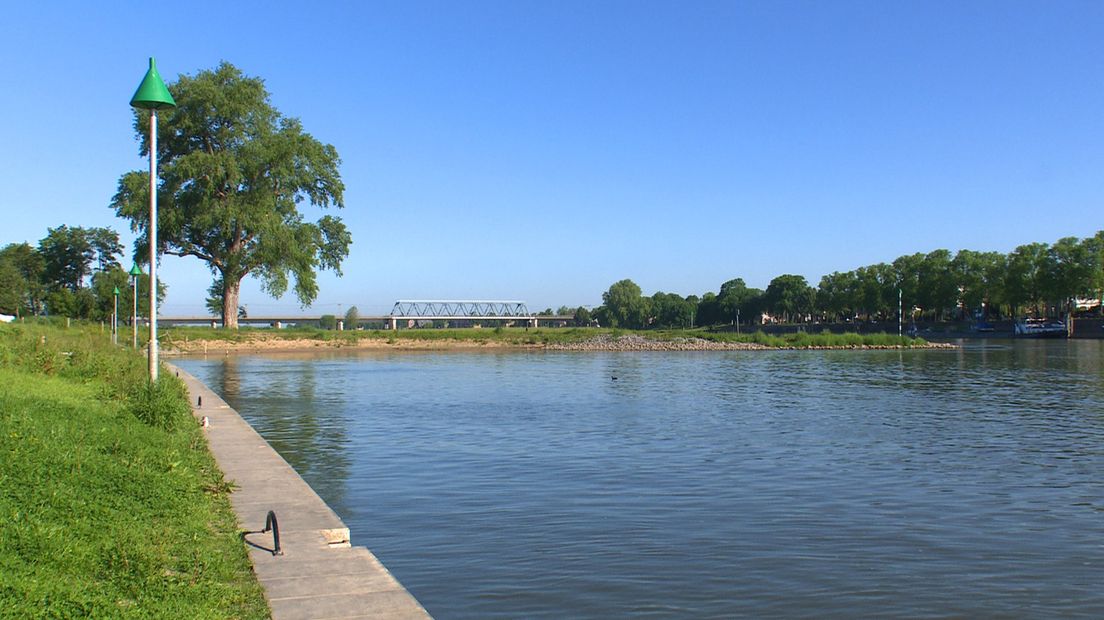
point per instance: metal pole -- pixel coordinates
(134, 314)
(899, 312)
(153, 247)
(115, 322)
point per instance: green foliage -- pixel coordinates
(625, 306)
(1025, 278)
(938, 285)
(234, 173)
(106, 516)
(790, 297)
(1071, 269)
(103, 288)
(53, 278)
(12, 287)
(70, 255)
(520, 335)
(671, 310)
(582, 317)
(978, 274)
(352, 318)
(709, 310)
(938, 292)
(824, 339)
(735, 300)
(162, 404)
(21, 288)
(328, 321)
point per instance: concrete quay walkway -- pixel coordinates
(320, 574)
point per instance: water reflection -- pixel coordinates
(303, 416)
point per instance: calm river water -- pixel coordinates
(966, 483)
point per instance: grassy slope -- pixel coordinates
(101, 514)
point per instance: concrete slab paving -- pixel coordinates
(320, 575)
(344, 605)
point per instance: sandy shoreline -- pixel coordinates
(264, 344)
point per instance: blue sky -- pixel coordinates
(543, 150)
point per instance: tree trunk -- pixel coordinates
(230, 293)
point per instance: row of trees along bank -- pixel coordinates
(1036, 278)
(72, 272)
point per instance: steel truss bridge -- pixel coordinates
(460, 310)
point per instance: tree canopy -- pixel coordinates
(1036, 277)
(624, 305)
(22, 290)
(73, 272)
(790, 297)
(71, 254)
(233, 174)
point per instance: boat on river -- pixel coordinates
(1041, 328)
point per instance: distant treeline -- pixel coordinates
(73, 272)
(1036, 278)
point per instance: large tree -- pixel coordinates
(234, 172)
(906, 283)
(1025, 279)
(790, 297)
(68, 256)
(938, 291)
(625, 305)
(837, 294)
(671, 310)
(21, 285)
(103, 288)
(733, 298)
(1071, 271)
(978, 276)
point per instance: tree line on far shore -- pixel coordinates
(1037, 279)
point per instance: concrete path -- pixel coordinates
(320, 574)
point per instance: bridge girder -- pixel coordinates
(459, 309)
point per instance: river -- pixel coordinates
(960, 483)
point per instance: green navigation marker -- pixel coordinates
(152, 94)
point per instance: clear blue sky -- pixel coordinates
(543, 150)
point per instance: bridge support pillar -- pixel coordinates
(341, 325)
(214, 324)
(278, 325)
(534, 323)
(394, 324)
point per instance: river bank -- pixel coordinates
(183, 343)
(639, 343)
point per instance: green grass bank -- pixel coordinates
(111, 506)
(185, 338)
